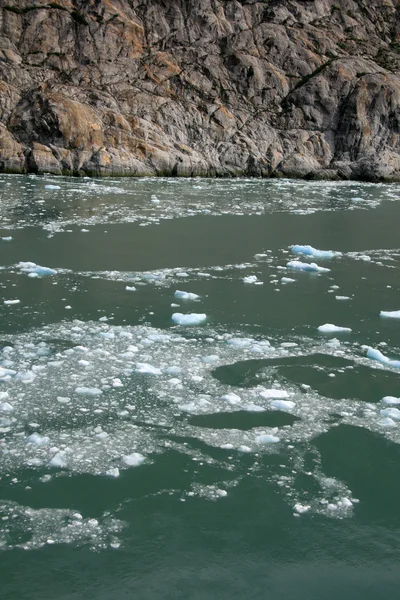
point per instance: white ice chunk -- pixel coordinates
(254, 407)
(392, 413)
(30, 267)
(58, 460)
(390, 400)
(231, 398)
(148, 369)
(186, 295)
(301, 266)
(189, 319)
(271, 394)
(52, 187)
(267, 439)
(250, 279)
(377, 355)
(87, 391)
(394, 314)
(287, 280)
(38, 440)
(329, 328)
(342, 297)
(301, 508)
(7, 239)
(6, 407)
(130, 288)
(133, 460)
(310, 251)
(283, 404)
(12, 301)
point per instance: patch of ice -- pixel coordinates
(52, 187)
(189, 319)
(302, 266)
(87, 391)
(148, 369)
(374, 354)
(329, 328)
(390, 400)
(12, 301)
(287, 280)
(283, 404)
(130, 288)
(133, 460)
(392, 413)
(342, 297)
(267, 439)
(272, 394)
(310, 251)
(231, 398)
(394, 314)
(186, 295)
(32, 268)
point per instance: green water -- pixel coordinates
(243, 457)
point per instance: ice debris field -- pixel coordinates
(108, 401)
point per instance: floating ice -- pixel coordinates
(38, 440)
(271, 394)
(231, 398)
(287, 280)
(52, 187)
(392, 413)
(186, 295)
(342, 297)
(133, 460)
(58, 460)
(267, 439)
(130, 288)
(252, 279)
(189, 319)
(148, 369)
(310, 251)
(87, 391)
(301, 266)
(283, 404)
(329, 328)
(7, 239)
(390, 400)
(301, 508)
(394, 314)
(6, 407)
(377, 355)
(12, 301)
(32, 268)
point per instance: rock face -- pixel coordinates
(305, 88)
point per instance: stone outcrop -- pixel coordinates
(304, 88)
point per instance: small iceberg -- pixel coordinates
(283, 404)
(148, 369)
(268, 439)
(34, 270)
(390, 314)
(12, 301)
(52, 187)
(133, 460)
(310, 251)
(374, 354)
(252, 279)
(329, 328)
(130, 288)
(301, 266)
(392, 413)
(189, 319)
(87, 391)
(273, 394)
(186, 295)
(7, 239)
(390, 400)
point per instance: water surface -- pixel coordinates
(245, 456)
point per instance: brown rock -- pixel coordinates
(304, 88)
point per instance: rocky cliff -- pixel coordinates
(306, 88)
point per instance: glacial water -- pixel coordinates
(195, 402)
